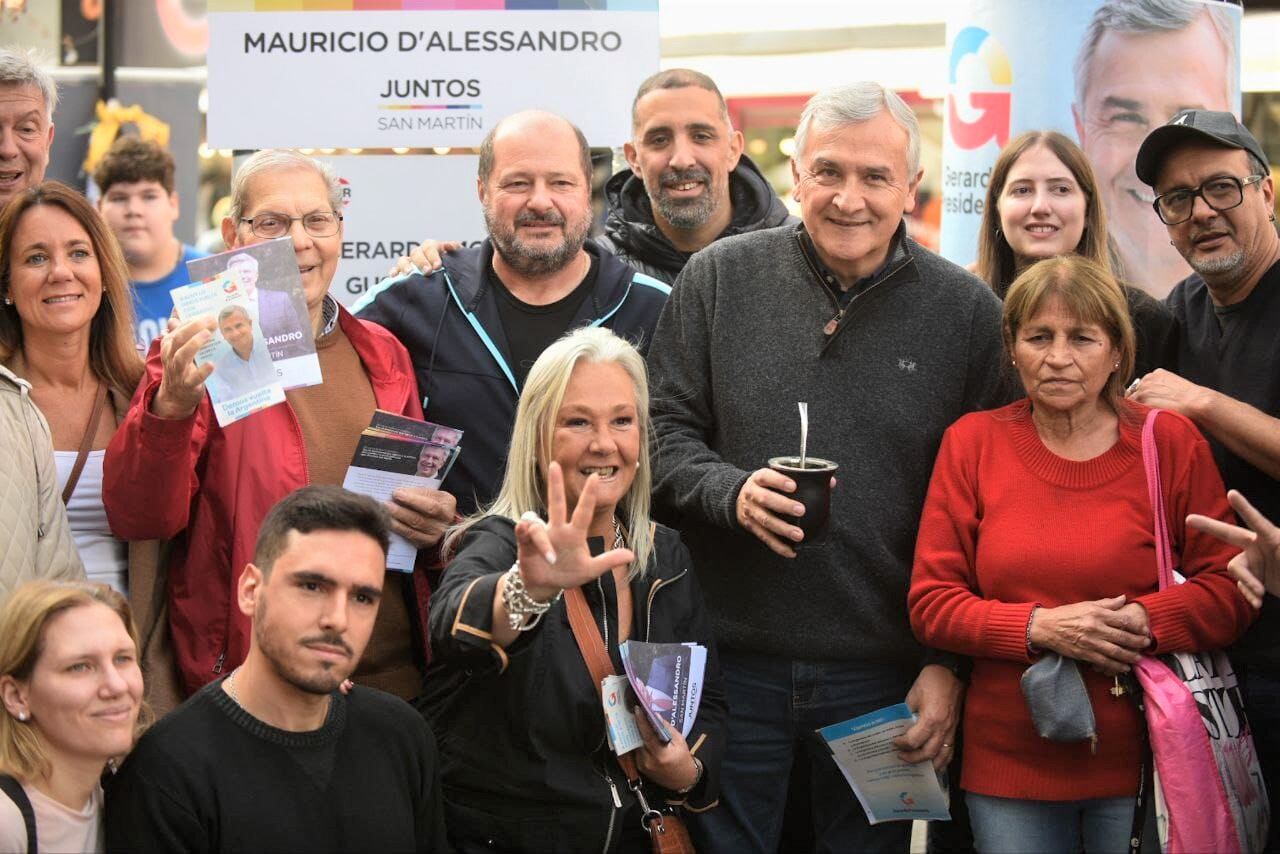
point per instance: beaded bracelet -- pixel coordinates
(1032, 616)
(519, 604)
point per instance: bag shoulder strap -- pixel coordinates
(11, 787)
(591, 645)
(86, 442)
(1155, 491)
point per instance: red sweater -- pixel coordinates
(1008, 525)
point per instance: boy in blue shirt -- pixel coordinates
(140, 205)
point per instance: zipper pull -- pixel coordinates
(833, 323)
(217, 665)
(617, 800)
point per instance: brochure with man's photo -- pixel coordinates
(391, 454)
(390, 424)
(244, 379)
(268, 274)
(667, 679)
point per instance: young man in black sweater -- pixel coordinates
(274, 757)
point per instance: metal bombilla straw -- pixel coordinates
(804, 432)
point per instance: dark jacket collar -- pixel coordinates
(629, 214)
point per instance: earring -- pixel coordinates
(22, 716)
(1116, 366)
(8, 301)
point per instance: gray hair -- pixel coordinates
(18, 67)
(244, 259)
(278, 159)
(234, 308)
(1142, 17)
(859, 102)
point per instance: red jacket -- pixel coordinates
(163, 478)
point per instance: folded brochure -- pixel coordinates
(667, 680)
(888, 788)
(394, 452)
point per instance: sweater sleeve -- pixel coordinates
(142, 816)
(149, 472)
(1205, 612)
(461, 617)
(689, 477)
(945, 611)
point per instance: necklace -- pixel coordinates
(618, 540)
(229, 686)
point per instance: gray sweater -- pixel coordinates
(740, 341)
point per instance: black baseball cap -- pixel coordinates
(1194, 125)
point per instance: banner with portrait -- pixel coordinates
(1103, 72)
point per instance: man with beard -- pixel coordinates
(475, 326)
(688, 186)
(1216, 198)
(275, 757)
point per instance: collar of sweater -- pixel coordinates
(1073, 474)
(334, 723)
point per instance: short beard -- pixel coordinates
(324, 682)
(1219, 268)
(529, 260)
(685, 214)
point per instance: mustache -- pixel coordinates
(684, 176)
(330, 639)
(530, 218)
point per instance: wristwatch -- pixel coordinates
(697, 764)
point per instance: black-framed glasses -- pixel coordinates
(269, 225)
(1221, 194)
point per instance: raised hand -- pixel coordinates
(1257, 568)
(554, 555)
(182, 384)
(424, 258)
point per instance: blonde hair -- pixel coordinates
(23, 621)
(531, 437)
(1088, 292)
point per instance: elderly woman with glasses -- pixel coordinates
(173, 472)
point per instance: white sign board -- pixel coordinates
(420, 79)
(393, 202)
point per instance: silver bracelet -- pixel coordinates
(519, 604)
(698, 768)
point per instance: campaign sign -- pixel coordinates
(428, 73)
(390, 203)
(1102, 74)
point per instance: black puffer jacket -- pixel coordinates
(630, 233)
(526, 766)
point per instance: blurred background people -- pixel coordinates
(139, 201)
(1043, 200)
(988, 582)
(519, 716)
(71, 687)
(172, 470)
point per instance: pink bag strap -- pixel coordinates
(1151, 462)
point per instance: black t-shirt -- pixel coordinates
(531, 329)
(1236, 351)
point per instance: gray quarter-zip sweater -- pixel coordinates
(740, 341)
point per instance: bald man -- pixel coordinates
(475, 326)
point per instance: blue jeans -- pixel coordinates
(1261, 689)
(775, 704)
(1029, 827)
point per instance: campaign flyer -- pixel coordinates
(667, 679)
(268, 274)
(395, 452)
(888, 788)
(244, 379)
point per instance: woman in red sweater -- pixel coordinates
(1037, 536)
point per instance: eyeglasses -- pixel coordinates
(1221, 194)
(269, 224)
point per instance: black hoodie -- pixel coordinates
(631, 234)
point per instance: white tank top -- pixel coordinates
(105, 558)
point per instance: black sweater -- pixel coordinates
(210, 777)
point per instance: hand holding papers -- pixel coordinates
(396, 452)
(667, 680)
(888, 788)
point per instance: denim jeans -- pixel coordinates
(1097, 826)
(1261, 689)
(775, 704)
